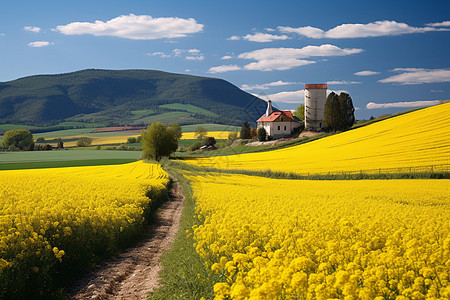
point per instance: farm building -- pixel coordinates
(278, 123)
(315, 98)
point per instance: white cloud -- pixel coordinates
(234, 38)
(141, 27)
(196, 57)
(269, 59)
(32, 28)
(227, 57)
(373, 105)
(189, 54)
(445, 23)
(40, 44)
(266, 86)
(160, 54)
(375, 29)
(264, 37)
(188, 70)
(436, 91)
(288, 97)
(418, 76)
(224, 68)
(366, 73)
(295, 96)
(343, 82)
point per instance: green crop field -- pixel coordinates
(168, 117)
(64, 158)
(190, 108)
(143, 112)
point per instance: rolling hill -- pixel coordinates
(125, 97)
(419, 139)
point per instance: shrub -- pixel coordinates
(261, 134)
(20, 138)
(84, 141)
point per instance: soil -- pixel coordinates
(134, 273)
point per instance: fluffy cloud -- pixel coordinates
(288, 97)
(366, 73)
(142, 27)
(189, 54)
(32, 29)
(343, 82)
(227, 57)
(39, 44)
(234, 38)
(445, 23)
(269, 59)
(418, 76)
(295, 96)
(266, 86)
(224, 68)
(375, 29)
(373, 105)
(264, 37)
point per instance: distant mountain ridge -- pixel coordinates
(111, 96)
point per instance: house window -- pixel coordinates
(284, 128)
(278, 127)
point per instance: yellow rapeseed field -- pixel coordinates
(100, 140)
(71, 215)
(299, 239)
(220, 135)
(419, 138)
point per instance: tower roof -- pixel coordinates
(315, 86)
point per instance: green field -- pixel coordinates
(168, 117)
(64, 158)
(190, 108)
(143, 112)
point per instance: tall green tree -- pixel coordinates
(300, 112)
(347, 111)
(158, 141)
(175, 128)
(245, 131)
(20, 138)
(339, 113)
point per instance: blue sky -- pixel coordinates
(388, 55)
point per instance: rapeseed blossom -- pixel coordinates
(299, 239)
(71, 215)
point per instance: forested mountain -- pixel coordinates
(114, 97)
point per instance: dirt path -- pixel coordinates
(134, 273)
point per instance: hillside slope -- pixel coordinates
(419, 138)
(111, 97)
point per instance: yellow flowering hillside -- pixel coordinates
(288, 239)
(69, 215)
(419, 138)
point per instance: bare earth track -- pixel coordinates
(134, 273)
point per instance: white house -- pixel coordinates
(278, 123)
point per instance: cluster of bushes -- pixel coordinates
(22, 140)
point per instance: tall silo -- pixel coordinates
(315, 98)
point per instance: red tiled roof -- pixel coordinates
(315, 86)
(274, 115)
